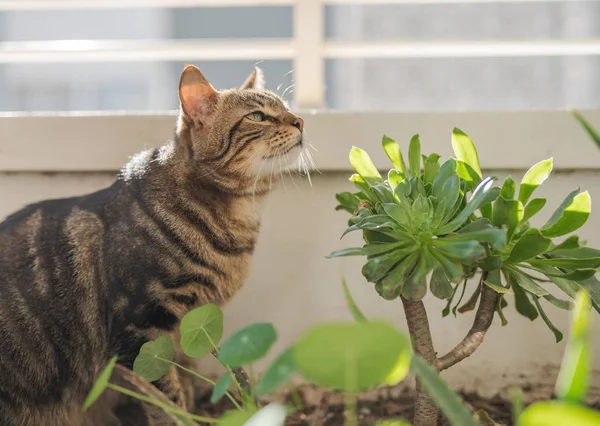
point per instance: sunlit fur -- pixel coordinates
(86, 278)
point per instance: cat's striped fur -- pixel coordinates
(84, 278)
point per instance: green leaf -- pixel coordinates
(235, 418)
(348, 202)
(378, 267)
(592, 133)
(361, 162)
(201, 330)
(533, 208)
(368, 249)
(280, 370)
(453, 270)
(447, 170)
(534, 177)
(461, 251)
(574, 377)
(493, 236)
(248, 344)
(440, 285)
(394, 153)
(499, 309)
(391, 285)
(508, 189)
(522, 303)
(532, 243)
(468, 175)
(557, 334)
(395, 178)
(507, 212)
(431, 168)
(494, 282)
(483, 194)
(414, 156)
(528, 284)
(150, 363)
(464, 149)
(568, 263)
(100, 384)
(352, 307)
(353, 356)
(472, 302)
(572, 218)
(578, 275)
(438, 390)
(221, 388)
(558, 213)
(557, 413)
(559, 303)
(415, 286)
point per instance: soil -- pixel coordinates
(326, 409)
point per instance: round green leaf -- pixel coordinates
(248, 344)
(553, 413)
(200, 329)
(353, 356)
(100, 384)
(573, 217)
(150, 363)
(277, 373)
(221, 388)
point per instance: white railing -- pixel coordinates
(307, 48)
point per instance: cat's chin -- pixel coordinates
(276, 164)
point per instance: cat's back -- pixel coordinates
(51, 329)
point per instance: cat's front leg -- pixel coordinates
(170, 385)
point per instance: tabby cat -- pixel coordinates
(85, 278)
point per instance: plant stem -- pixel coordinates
(201, 377)
(481, 324)
(159, 404)
(350, 409)
(426, 412)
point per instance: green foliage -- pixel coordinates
(573, 380)
(447, 222)
(100, 384)
(352, 356)
(201, 329)
(248, 344)
(280, 370)
(154, 358)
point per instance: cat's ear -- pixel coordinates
(195, 93)
(255, 80)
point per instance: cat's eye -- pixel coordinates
(259, 116)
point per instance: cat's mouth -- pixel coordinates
(285, 151)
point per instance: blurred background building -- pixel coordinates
(400, 84)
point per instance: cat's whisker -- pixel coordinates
(288, 90)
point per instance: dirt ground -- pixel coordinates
(326, 409)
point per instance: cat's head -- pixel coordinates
(238, 135)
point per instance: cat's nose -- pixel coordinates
(298, 123)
